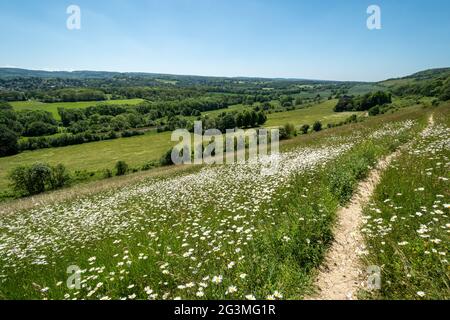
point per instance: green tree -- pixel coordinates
(247, 119)
(8, 141)
(317, 126)
(30, 180)
(261, 118)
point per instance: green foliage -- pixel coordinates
(8, 141)
(317, 126)
(231, 120)
(166, 159)
(363, 103)
(304, 128)
(8, 118)
(287, 131)
(429, 83)
(59, 177)
(107, 173)
(374, 111)
(65, 139)
(352, 168)
(121, 168)
(445, 91)
(39, 128)
(39, 177)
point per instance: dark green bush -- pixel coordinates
(317, 126)
(304, 129)
(8, 141)
(121, 168)
(59, 177)
(29, 180)
(39, 177)
(166, 159)
(40, 128)
(149, 165)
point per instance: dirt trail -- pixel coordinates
(342, 273)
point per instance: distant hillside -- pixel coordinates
(6, 73)
(430, 83)
(430, 74)
(9, 73)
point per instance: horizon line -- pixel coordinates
(210, 76)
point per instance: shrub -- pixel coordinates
(107, 173)
(39, 128)
(317, 126)
(304, 129)
(287, 131)
(131, 133)
(59, 177)
(121, 168)
(352, 119)
(290, 129)
(30, 179)
(166, 159)
(435, 102)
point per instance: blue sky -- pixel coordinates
(326, 39)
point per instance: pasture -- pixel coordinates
(320, 112)
(93, 156)
(53, 107)
(136, 151)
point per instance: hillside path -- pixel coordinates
(342, 274)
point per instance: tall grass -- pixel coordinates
(407, 222)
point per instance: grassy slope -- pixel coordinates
(95, 155)
(53, 107)
(141, 149)
(404, 221)
(283, 255)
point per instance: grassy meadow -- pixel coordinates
(94, 156)
(320, 112)
(407, 222)
(53, 107)
(139, 150)
(219, 232)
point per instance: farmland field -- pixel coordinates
(139, 150)
(221, 232)
(94, 156)
(321, 112)
(53, 107)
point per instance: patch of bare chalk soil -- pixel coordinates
(342, 275)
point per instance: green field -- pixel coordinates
(95, 155)
(140, 149)
(225, 232)
(53, 107)
(322, 112)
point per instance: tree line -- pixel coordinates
(364, 102)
